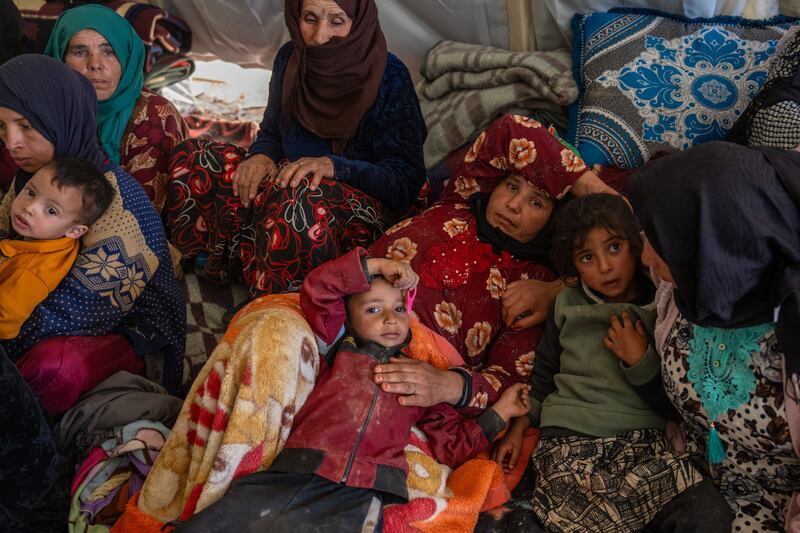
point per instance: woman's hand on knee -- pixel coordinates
(526, 302)
(418, 383)
(313, 168)
(248, 176)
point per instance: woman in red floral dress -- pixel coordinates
(482, 254)
(137, 128)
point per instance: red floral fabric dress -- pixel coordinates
(154, 129)
(461, 278)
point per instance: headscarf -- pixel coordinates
(537, 249)
(726, 220)
(57, 101)
(114, 112)
(329, 88)
(539, 157)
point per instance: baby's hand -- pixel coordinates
(513, 402)
(508, 449)
(626, 340)
(399, 274)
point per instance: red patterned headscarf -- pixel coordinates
(329, 88)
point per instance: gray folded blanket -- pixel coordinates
(466, 86)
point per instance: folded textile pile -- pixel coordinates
(113, 472)
(162, 33)
(168, 69)
(466, 86)
(115, 402)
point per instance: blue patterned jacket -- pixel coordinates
(122, 282)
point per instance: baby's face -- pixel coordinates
(43, 211)
(379, 315)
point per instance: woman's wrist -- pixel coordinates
(455, 384)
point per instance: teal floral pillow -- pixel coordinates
(651, 82)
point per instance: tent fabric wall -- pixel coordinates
(250, 32)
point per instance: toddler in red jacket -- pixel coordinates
(344, 458)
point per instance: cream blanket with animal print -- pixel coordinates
(231, 424)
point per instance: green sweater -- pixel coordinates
(580, 385)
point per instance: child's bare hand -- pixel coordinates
(513, 402)
(399, 274)
(507, 451)
(626, 340)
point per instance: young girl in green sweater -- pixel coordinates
(603, 463)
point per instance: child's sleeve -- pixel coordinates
(22, 292)
(645, 376)
(455, 438)
(546, 365)
(324, 290)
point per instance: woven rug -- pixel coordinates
(205, 305)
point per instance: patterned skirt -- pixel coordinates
(272, 245)
(607, 484)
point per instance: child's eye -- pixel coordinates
(512, 186)
(585, 258)
(373, 310)
(536, 203)
(29, 192)
(51, 211)
(615, 246)
(401, 309)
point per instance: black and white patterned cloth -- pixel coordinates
(773, 117)
(760, 470)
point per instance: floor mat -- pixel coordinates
(205, 305)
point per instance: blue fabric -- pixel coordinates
(651, 82)
(384, 159)
(120, 284)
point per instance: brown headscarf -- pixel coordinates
(330, 87)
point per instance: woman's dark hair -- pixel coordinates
(96, 192)
(580, 216)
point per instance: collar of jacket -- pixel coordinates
(356, 344)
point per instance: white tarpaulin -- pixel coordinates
(249, 32)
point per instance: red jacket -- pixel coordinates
(349, 430)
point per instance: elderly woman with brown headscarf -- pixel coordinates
(337, 160)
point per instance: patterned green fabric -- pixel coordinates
(718, 366)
